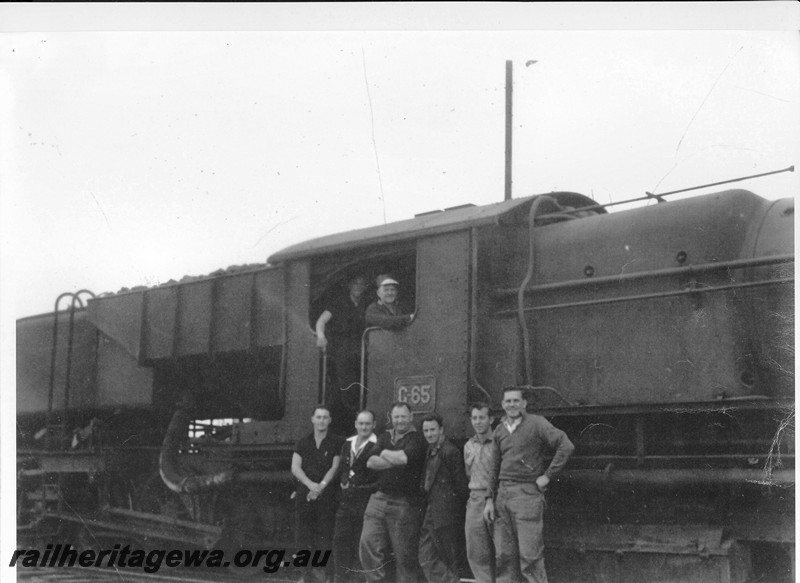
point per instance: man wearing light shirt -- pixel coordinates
(519, 479)
(357, 483)
(479, 455)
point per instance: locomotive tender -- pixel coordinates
(661, 339)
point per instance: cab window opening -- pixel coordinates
(330, 278)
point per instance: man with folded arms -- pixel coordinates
(394, 514)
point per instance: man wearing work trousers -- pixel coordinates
(479, 455)
(521, 443)
(445, 485)
(394, 513)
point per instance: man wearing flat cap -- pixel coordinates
(387, 312)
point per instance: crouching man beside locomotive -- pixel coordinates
(394, 513)
(315, 462)
(387, 312)
(445, 488)
(521, 442)
(357, 484)
(479, 456)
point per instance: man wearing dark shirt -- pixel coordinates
(315, 462)
(394, 513)
(445, 486)
(357, 483)
(519, 479)
(339, 329)
(387, 312)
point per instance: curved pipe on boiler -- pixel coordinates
(526, 341)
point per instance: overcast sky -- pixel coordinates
(132, 158)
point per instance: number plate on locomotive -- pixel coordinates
(418, 392)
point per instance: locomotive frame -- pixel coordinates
(659, 338)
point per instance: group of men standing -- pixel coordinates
(408, 501)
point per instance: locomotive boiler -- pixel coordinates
(661, 339)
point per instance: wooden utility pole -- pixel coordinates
(509, 103)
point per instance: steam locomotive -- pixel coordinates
(661, 339)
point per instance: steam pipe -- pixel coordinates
(323, 397)
(646, 296)
(677, 271)
(364, 341)
(523, 286)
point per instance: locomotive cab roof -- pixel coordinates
(431, 223)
